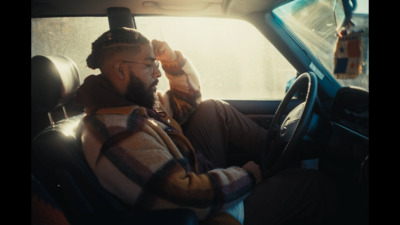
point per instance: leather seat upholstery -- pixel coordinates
(54, 80)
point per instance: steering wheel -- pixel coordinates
(283, 136)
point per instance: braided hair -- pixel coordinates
(107, 44)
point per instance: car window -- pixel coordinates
(67, 36)
(234, 60)
(315, 24)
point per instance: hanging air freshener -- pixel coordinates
(349, 48)
(348, 55)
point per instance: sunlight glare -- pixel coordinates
(225, 51)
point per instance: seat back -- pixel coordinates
(58, 162)
(44, 210)
(56, 158)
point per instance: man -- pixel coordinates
(134, 141)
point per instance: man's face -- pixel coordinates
(140, 93)
(143, 76)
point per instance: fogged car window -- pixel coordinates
(234, 60)
(68, 36)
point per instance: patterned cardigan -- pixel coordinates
(145, 160)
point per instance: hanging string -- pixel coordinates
(348, 12)
(348, 58)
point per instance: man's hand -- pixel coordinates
(163, 52)
(254, 169)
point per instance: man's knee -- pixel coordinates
(211, 104)
(205, 111)
(209, 110)
(213, 107)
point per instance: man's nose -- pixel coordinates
(157, 72)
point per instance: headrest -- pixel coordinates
(54, 80)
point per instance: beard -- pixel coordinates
(137, 93)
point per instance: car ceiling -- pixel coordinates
(222, 8)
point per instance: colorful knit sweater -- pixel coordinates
(147, 162)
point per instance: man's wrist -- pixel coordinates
(179, 60)
(175, 66)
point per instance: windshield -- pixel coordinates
(316, 23)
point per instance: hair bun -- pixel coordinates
(121, 35)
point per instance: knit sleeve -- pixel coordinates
(184, 94)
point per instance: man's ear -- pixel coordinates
(118, 68)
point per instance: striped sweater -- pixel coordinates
(147, 162)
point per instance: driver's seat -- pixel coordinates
(58, 163)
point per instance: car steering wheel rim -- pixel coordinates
(282, 137)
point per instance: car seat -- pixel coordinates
(54, 80)
(57, 161)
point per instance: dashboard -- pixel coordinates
(351, 111)
(347, 153)
(346, 156)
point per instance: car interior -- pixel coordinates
(331, 134)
